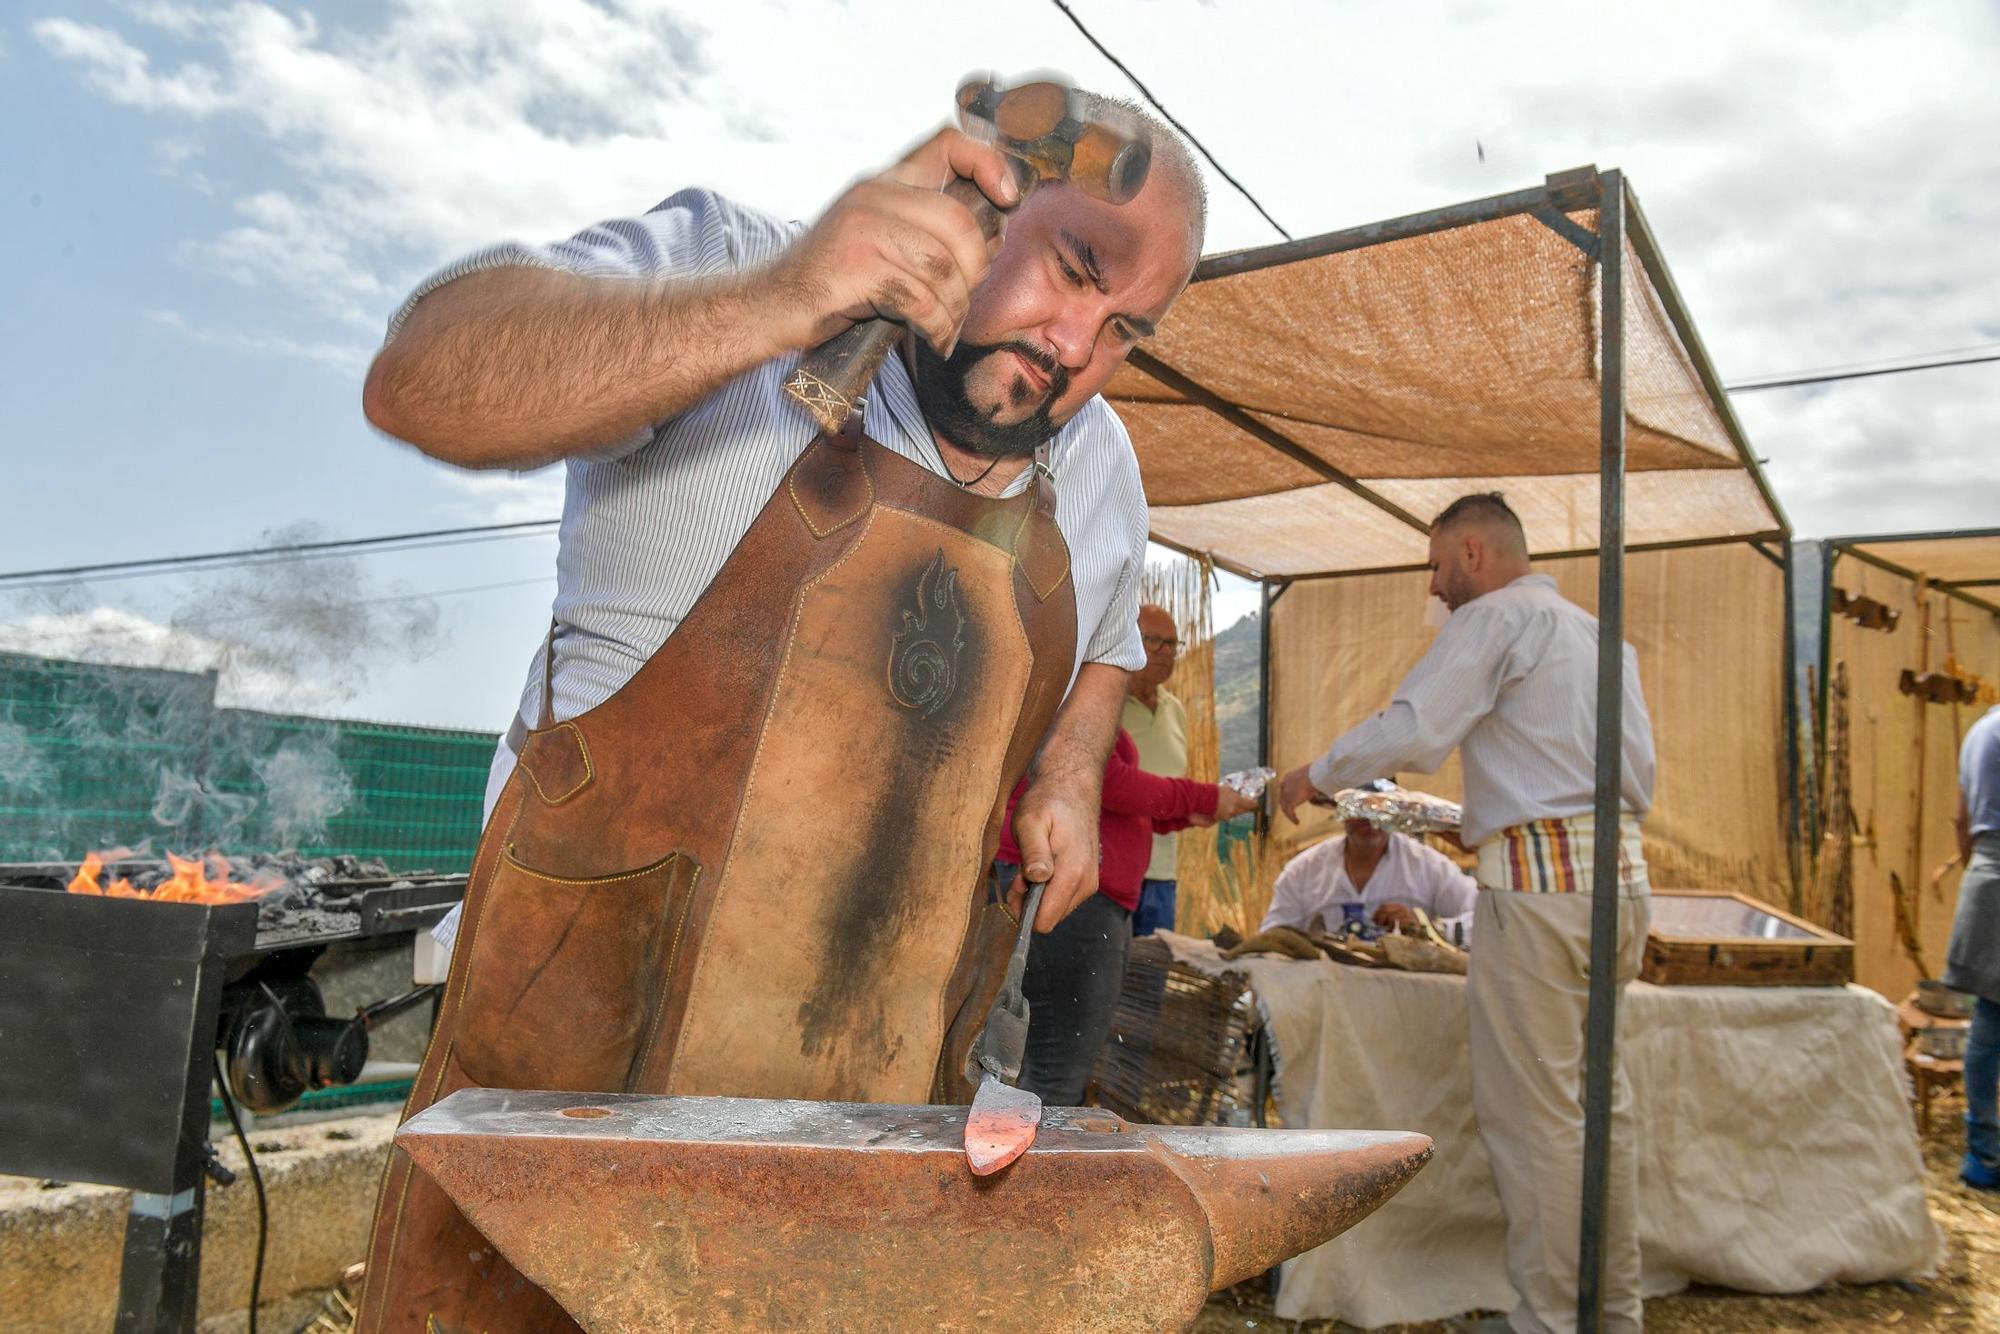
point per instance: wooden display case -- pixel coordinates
(1715, 938)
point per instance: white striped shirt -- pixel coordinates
(1511, 683)
(648, 522)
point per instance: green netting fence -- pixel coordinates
(95, 756)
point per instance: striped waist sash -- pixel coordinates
(1556, 856)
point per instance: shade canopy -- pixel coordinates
(1966, 559)
(1309, 406)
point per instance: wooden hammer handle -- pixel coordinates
(832, 378)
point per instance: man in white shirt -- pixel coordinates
(764, 631)
(1158, 723)
(1511, 683)
(1388, 874)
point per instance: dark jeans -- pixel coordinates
(1982, 1077)
(1072, 983)
(1156, 907)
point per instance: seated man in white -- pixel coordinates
(1389, 874)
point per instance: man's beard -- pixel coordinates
(948, 407)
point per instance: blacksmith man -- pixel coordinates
(740, 838)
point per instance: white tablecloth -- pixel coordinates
(1776, 1151)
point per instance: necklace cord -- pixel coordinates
(945, 463)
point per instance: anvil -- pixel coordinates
(666, 1213)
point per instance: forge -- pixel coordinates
(113, 1009)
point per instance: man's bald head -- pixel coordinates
(1477, 545)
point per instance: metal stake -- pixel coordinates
(1264, 696)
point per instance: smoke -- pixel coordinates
(319, 621)
(145, 729)
(26, 771)
(293, 635)
(304, 787)
(200, 814)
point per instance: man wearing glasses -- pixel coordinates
(1158, 723)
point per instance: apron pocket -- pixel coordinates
(566, 976)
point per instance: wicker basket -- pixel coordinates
(1179, 1052)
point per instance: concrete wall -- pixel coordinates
(60, 1246)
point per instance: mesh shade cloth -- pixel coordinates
(1708, 626)
(1327, 527)
(1453, 359)
(1894, 739)
(1953, 560)
(1293, 532)
(1560, 513)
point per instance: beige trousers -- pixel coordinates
(1528, 994)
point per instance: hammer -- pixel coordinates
(1047, 135)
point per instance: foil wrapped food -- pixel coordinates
(1398, 809)
(1250, 782)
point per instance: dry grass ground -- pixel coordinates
(1961, 1298)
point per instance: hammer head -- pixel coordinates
(1052, 128)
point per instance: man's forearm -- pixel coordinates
(517, 367)
(1056, 822)
(1080, 739)
(1375, 748)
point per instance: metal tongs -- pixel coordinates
(1003, 1119)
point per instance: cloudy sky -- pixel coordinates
(210, 211)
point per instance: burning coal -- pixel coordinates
(188, 880)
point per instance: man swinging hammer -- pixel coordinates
(739, 835)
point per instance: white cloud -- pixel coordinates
(124, 73)
(508, 497)
(348, 358)
(458, 121)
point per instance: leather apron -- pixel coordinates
(760, 868)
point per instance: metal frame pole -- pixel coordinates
(1828, 555)
(1601, 1027)
(1794, 838)
(1264, 693)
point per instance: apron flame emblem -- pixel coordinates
(923, 664)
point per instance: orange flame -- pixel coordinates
(190, 882)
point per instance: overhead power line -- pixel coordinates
(1867, 363)
(1857, 375)
(1147, 93)
(218, 560)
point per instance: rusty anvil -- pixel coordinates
(637, 1212)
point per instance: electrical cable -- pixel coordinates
(481, 532)
(1147, 93)
(1857, 375)
(256, 1180)
(7, 584)
(1866, 362)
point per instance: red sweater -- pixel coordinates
(1137, 805)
